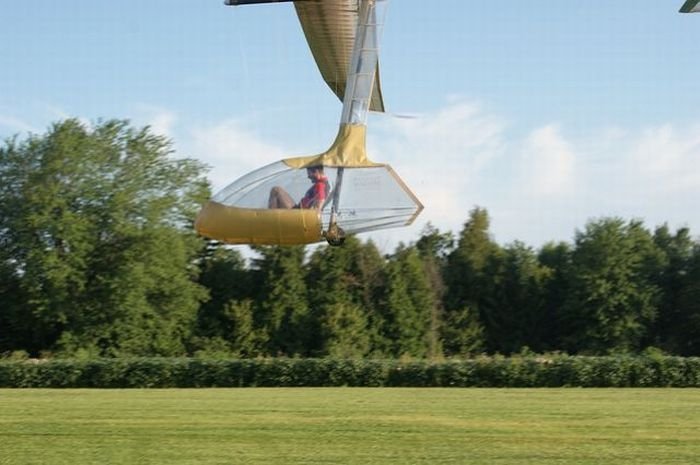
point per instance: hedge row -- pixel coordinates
(556, 371)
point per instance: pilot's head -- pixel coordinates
(314, 172)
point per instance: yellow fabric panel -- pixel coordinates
(234, 225)
(330, 27)
(348, 149)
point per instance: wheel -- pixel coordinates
(335, 235)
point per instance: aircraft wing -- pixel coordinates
(329, 26)
(691, 6)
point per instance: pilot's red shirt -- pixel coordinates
(316, 194)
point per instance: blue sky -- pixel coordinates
(547, 114)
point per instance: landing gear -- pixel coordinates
(335, 235)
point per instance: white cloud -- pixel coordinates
(537, 185)
(47, 115)
(542, 185)
(667, 159)
(547, 163)
(59, 114)
(162, 123)
(14, 125)
(230, 150)
(446, 157)
(441, 156)
(161, 120)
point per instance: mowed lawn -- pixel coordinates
(350, 426)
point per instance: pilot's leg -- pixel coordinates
(279, 198)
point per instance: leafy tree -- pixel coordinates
(557, 258)
(435, 244)
(466, 270)
(517, 317)
(463, 334)
(244, 339)
(347, 278)
(96, 225)
(329, 277)
(613, 299)
(433, 248)
(224, 274)
(15, 328)
(239, 336)
(471, 273)
(688, 338)
(369, 266)
(344, 331)
(98, 257)
(673, 278)
(408, 304)
(282, 305)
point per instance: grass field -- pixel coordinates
(350, 426)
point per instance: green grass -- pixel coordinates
(350, 426)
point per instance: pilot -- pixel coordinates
(314, 197)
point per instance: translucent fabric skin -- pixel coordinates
(253, 189)
(368, 198)
(330, 27)
(363, 195)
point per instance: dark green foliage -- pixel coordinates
(344, 331)
(677, 328)
(689, 307)
(282, 310)
(517, 315)
(97, 254)
(224, 274)
(225, 322)
(462, 333)
(557, 259)
(433, 248)
(613, 297)
(471, 276)
(344, 285)
(468, 271)
(409, 304)
(98, 258)
(513, 372)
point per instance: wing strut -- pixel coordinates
(358, 91)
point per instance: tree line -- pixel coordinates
(98, 258)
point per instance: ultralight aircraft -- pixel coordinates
(349, 192)
(353, 194)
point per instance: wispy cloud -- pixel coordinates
(667, 159)
(12, 124)
(161, 120)
(441, 155)
(43, 114)
(542, 185)
(538, 183)
(56, 113)
(230, 150)
(547, 163)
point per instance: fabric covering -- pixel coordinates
(330, 28)
(348, 149)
